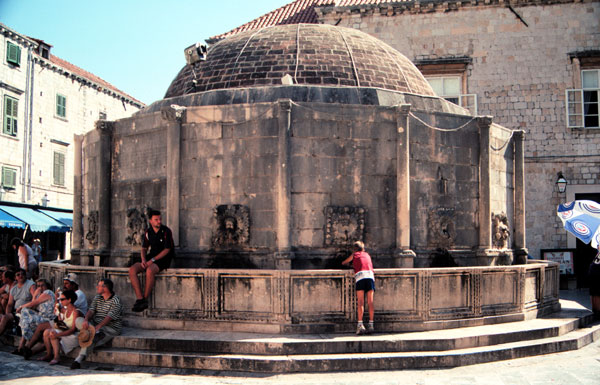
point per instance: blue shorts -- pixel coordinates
(365, 284)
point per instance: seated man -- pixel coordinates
(20, 294)
(159, 239)
(105, 314)
(71, 282)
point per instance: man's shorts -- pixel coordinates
(163, 263)
(366, 284)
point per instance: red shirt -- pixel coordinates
(361, 261)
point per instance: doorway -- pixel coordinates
(584, 253)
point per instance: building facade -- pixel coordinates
(45, 102)
(532, 65)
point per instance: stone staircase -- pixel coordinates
(562, 331)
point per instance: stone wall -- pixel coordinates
(294, 184)
(297, 301)
(520, 66)
(444, 184)
(343, 176)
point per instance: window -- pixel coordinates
(61, 105)
(59, 168)
(13, 53)
(583, 104)
(11, 109)
(449, 88)
(102, 115)
(9, 178)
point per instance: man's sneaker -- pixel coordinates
(360, 329)
(140, 305)
(370, 328)
(75, 365)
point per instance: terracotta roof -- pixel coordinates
(69, 67)
(296, 12)
(90, 76)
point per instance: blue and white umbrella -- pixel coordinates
(582, 219)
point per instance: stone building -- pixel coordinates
(45, 101)
(280, 147)
(532, 65)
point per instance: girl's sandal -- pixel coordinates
(54, 362)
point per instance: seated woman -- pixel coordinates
(38, 311)
(64, 334)
(8, 281)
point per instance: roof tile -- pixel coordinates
(299, 11)
(89, 76)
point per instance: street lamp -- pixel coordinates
(561, 183)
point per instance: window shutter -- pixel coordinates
(5, 177)
(13, 53)
(59, 168)
(11, 108)
(12, 180)
(469, 101)
(61, 105)
(574, 107)
(6, 126)
(9, 178)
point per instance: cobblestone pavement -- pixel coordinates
(569, 368)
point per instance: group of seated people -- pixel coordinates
(57, 321)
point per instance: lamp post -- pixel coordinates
(561, 183)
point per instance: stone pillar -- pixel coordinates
(105, 130)
(519, 215)
(404, 257)
(283, 198)
(485, 211)
(77, 235)
(174, 116)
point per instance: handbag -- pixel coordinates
(60, 324)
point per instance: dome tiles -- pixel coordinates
(311, 54)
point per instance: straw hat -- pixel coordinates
(86, 336)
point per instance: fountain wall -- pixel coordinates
(313, 301)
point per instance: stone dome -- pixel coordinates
(312, 54)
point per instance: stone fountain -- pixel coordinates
(270, 154)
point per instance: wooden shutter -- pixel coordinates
(13, 53)
(61, 105)
(11, 109)
(9, 178)
(59, 168)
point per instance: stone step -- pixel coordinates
(261, 344)
(349, 361)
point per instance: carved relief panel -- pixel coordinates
(500, 231)
(344, 225)
(441, 230)
(231, 226)
(92, 228)
(137, 223)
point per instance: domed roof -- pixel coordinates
(312, 54)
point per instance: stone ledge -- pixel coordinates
(317, 301)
